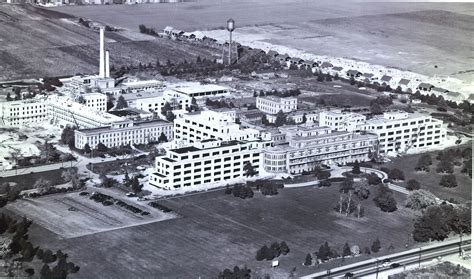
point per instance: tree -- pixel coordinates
(45, 272)
(48, 256)
(346, 250)
(67, 136)
(413, 184)
(42, 185)
(135, 185)
(121, 103)
(162, 138)
(396, 174)
(87, 148)
(304, 119)
(431, 225)
(9, 97)
(375, 246)
(265, 120)
(467, 167)
(448, 181)
(284, 248)
(167, 108)
(385, 200)
(376, 108)
(356, 167)
(445, 166)
(101, 147)
(249, 169)
(420, 199)
(373, 179)
(170, 116)
(72, 176)
(308, 260)
(324, 252)
(261, 253)
(280, 119)
(362, 193)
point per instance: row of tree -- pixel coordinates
(274, 251)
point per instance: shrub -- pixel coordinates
(420, 199)
(413, 184)
(448, 181)
(396, 174)
(385, 200)
(375, 246)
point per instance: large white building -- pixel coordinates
(400, 131)
(18, 113)
(124, 133)
(273, 104)
(212, 124)
(206, 162)
(312, 146)
(96, 101)
(64, 111)
(201, 90)
(154, 101)
(338, 120)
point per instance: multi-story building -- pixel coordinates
(17, 113)
(273, 104)
(206, 162)
(400, 131)
(124, 133)
(338, 120)
(309, 147)
(96, 101)
(212, 124)
(200, 90)
(64, 111)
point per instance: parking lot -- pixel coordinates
(72, 215)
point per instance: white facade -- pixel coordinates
(309, 147)
(209, 124)
(205, 162)
(124, 133)
(154, 101)
(96, 101)
(200, 90)
(340, 121)
(63, 110)
(17, 113)
(402, 131)
(272, 104)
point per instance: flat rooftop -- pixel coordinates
(136, 125)
(142, 95)
(194, 89)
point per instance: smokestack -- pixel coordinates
(107, 65)
(101, 61)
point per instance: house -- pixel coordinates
(438, 91)
(177, 33)
(188, 35)
(353, 73)
(454, 96)
(368, 76)
(296, 61)
(326, 65)
(168, 30)
(272, 54)
(309, 64)
(283, 58)
(199, 36)
(335, 70)
(385, 79)
(424, 87)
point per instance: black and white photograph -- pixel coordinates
(236, 139)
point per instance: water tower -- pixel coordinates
(230, 28)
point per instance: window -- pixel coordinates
(195, 156)
(217, 160)
(215, 153)
(187, 172)
(187, 165)
(197, 164)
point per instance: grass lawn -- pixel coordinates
(219, 231)
(26, 181)
(430, 180)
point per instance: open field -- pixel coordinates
(430, 180)
(38, 43)
(54, 213)
(26, 181)
(218, 231)
(381, 33)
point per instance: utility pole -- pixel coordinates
(419, 258)
(377, 270)
(460, 243)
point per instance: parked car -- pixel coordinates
(349, 275)
(131, 194)
(386, 262)
(395, 265)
